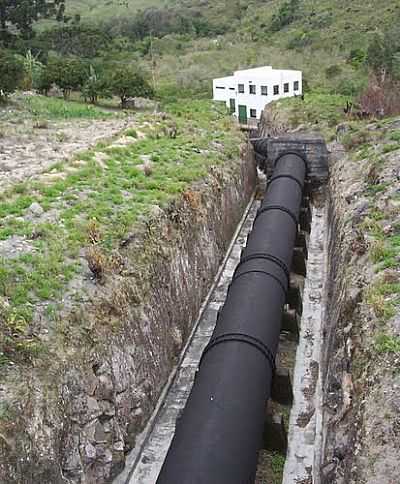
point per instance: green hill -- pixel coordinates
(325, 39)
(95, 10)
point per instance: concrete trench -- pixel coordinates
(294, 417)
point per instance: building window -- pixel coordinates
(253, 113)
(241, 88)
(219, 87)
(276, 90)
(264, 90)
(286, 87)
(252, 89)
(296, 85)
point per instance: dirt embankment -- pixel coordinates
(362, 350)
(74, 419)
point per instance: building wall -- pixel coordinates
(265, 76)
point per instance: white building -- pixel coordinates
(247, 92)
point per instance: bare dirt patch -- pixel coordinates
(26, 150)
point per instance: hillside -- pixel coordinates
(327, 40)
(103, 9)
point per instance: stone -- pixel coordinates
(105, 388)
(99, 434)
(90, 451)
(35, 210)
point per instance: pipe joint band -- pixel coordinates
(266, 256)
(269, 274)
(245, 339)
(282, 209)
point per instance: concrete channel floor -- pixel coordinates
(305, 418)
(145, 461)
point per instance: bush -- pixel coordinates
(285, 15)
(380, 99)
(11, 72)
(68, 73)
(95, 87)
(126, 82)
(333, 71)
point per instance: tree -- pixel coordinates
(383, 54)
(18, 16)
(95, 87)
(126, 82)
(11, 73)
(76, 40)
(68, 73)
(33, 69)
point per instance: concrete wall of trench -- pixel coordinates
(77, 418)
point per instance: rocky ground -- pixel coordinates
(29, 147)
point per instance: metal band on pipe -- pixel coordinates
(266, 256)
(282, 209)
(284, 289)
(241, 338)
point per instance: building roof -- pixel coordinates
(257, 73)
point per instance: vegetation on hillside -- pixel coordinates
(188, 42)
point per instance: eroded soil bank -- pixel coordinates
(74, 417)
(360, 367)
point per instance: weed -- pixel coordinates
(395, 136)
(131, 132)
(41, 124)
(390, 147)
(381, 252)
(387, 344)
(93, 232)
(97, 262)
(277, 463)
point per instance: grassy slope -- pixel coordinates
(108, 197)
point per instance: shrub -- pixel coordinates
(68, 73)
(95, 87)
(333, 71)
(380, 99)
(285, 15)
(11, 73)
(126, 82)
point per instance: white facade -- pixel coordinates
(247, 92)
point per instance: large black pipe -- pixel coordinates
(218, 436)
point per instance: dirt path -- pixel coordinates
(26, 150)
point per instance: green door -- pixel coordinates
(232, 105)
(242, 114)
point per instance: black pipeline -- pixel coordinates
(219, 434)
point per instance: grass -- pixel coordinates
(41, 110)
(43, 107)
(116, 196)
(387, 344)
(322, 110)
